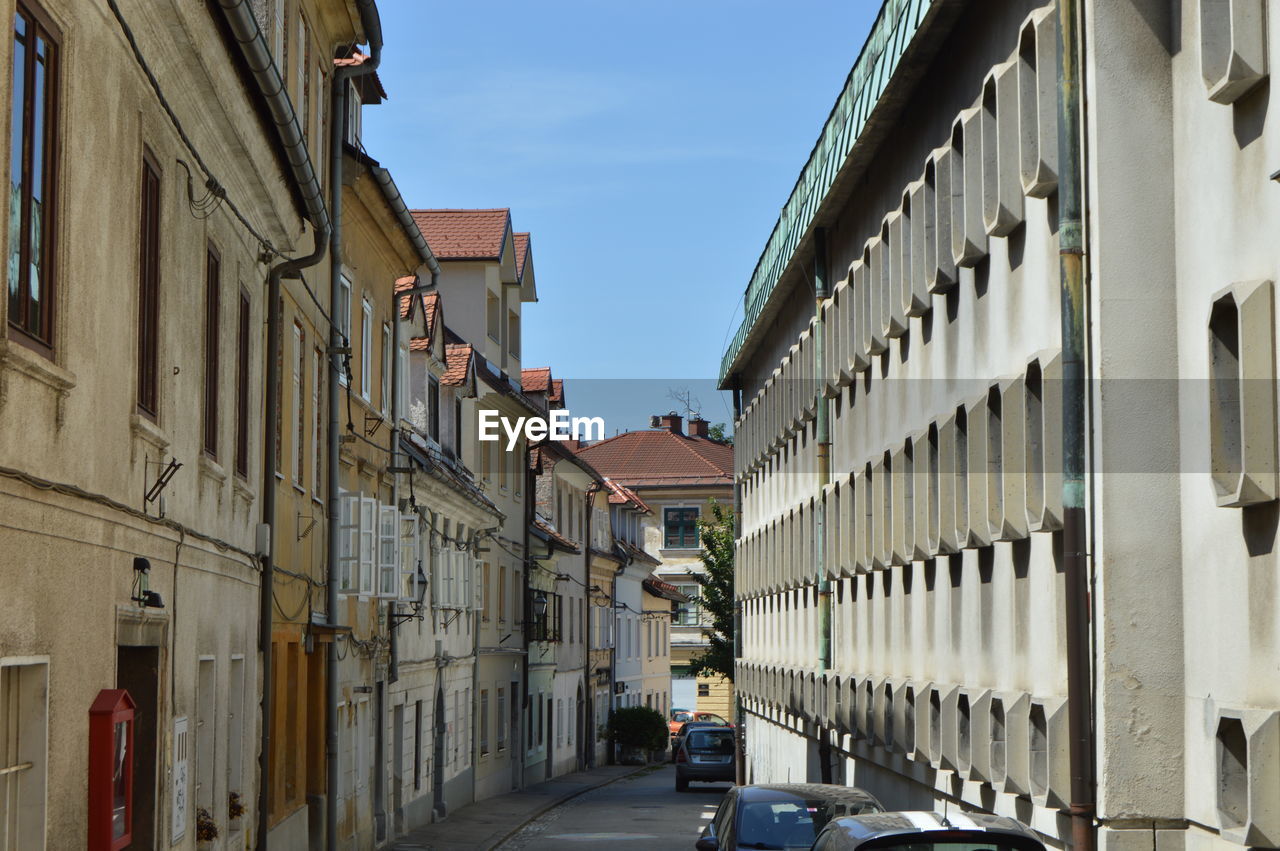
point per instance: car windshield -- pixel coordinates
(911, 844)
(710, 742)
(792, 823)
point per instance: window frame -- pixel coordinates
(666, 528)
(150, 205)
(366, 347)
(212, 347)
(243, 343)
(39, 25)
(343, 316)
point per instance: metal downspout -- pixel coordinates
(1074, 556)
(257, 56)
(740, 732)
(338, 348)
(587, 741)
(824, 475)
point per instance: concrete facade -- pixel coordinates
(940, 374)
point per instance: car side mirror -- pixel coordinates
(707, 843)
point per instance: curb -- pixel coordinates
(534, 816)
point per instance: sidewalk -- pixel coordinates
(486, 824)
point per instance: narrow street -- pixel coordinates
(644, 811)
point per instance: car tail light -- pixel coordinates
(680, 756)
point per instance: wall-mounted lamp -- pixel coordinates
(142, 593)
(540, 604)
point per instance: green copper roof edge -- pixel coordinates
(893, 30)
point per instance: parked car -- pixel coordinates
(682, 716)
(704, 754)
(924, 831)
(780, 815)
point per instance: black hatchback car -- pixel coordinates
(780, 816)
(925, 831)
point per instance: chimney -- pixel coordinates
(671, 422)
(698, 427)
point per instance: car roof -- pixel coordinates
(857, 830)
(811, 791)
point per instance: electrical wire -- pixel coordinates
(214, 185)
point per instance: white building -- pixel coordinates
(927, 221)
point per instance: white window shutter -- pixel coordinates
(368, 544)
(348, 542)
(388, 552)
(410, 549)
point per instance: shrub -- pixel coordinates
(638, 727)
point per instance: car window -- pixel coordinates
(724, 819)
(791, 824)
(714, 719)
(703, 741)
(680, 717)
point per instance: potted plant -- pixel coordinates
(637, 731)
(235, 809)
(206, 829)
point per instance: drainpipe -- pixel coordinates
(824, 476)
(253, 48)
(1074, 555)
(740, 733)
(587, 742)
(338, 347)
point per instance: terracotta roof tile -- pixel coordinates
(622, 495)
(522, 251)
(557, 391)
(535, 379)
(464, 234)
(659, 458)
(554, 536)
(457, 360)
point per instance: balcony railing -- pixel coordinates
(893, 30)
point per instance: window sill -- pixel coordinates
(300, 489)
(147, 431)
(23, 359)
(242, 489)
(212, 469)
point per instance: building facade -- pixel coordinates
(900, 453)
(675, 474)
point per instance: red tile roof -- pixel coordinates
(522, 252)
(661, 458)
(622, 495)
(535, 379)
(557, 391)
(554, 536)
(403, 285)
(431, 309)
(665, 590)
(464, 234)
(457, 360)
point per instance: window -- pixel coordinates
(502, 594)
(299, 403)
(23, 754)
(149, 287)
(242, 386)
(212, 327)
(690, 613)
(484, 607)
(366, 348)
(301, 79)
(513, 334)
(457, 428)
(493, 318)
(386, 369)
(681, 528)
(502, 719)
(317, 447)
(559, 721)
(484, 721)
(704, 689)
(32, 174)
(433, 408)
(353, 115)
(343, 318)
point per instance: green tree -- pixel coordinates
(638, 727)
(717, 433)
(716, 599)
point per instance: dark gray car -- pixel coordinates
(705, 754)
(780, 815)
(925, 831)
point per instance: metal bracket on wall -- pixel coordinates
(307, 531)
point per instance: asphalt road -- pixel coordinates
(642, 812)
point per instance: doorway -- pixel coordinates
(397, 767)
(138, 672)
(517, 764)
(437, 760)
(549, 714)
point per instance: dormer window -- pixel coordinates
(353, 115)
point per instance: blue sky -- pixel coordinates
(646, 146)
